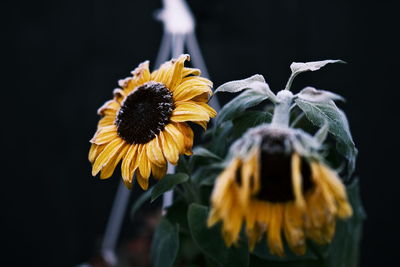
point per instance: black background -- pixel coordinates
(61, 60)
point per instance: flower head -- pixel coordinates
(277, 184)
(145, 124)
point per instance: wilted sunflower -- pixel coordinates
(145, 124)
(278, 187)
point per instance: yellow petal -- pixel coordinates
(127, 162)
(93, 152)
(144, 163)
(106, 121)
(154, 152)
(158, 172)
(293, 229)
(208, 109)
(190, 71)
(105, 135)
(170, 150)
(141, 73)
(338, 190)
(119, 95)
(203, 124)
(176, 77)
(185, 111)
(274, 230)
(109, 105)
(162, 75)
(109, 168)
(202, 79)
(142, 181)
(190, 89)
(177, 136)
(297, 181)
(106, 155)
(188, 135)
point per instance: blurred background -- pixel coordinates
(61, 60)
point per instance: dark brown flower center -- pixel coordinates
(276, 172)
(145, 112)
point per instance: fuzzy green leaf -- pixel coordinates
(167, 183)
(240, 85)
(165, 244)
(203, 152)
(240, 103)
(248, 120)
(298, 67)
(319, 113)
(209, 240)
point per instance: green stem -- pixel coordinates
(290, 81)
(282, 108)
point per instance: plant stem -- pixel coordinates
(282, 108)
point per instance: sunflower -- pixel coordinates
(278, 188)
(145, 124)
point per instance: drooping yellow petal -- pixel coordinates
(338, 190)
(144, 162)
(177, 136)
(297, 181)
(108, 169)
(142, 181)
(203, 124)
(274, 230)
(154, 152)
(170, 150)
(188, 136)
(106, 155)
(95, 151)
(293, 228)
(127, 162)
(323, 186)
(254, 235)
(105, 135)
(158, 172)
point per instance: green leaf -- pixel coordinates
(248, 120)
(167, 183)
(209, 240)
(221, 138)
(319, 113)
(203, 152)
(237, 105)
(140, 201)
(239, 85)
(299, 67)
(206, 175)
(315, 95)
(165, 244)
